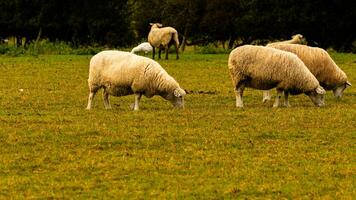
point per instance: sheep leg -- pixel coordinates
(159, 53)
(91, 97)
(286, 101)
(153, 52)
(239, 92)
(177, 50)
(266, 96)
(106, 99)
(135, 106)
(166, 49)
(278, 96)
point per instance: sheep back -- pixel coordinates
(146, 47)
(319, 63)
(124, 73)
(265, 68)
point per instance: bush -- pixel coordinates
(47, 47)
(11, 50)
(210, 49)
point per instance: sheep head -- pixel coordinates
(317, 96)
(299, 38)
(156, 25)
(176, 98)
(339, 91)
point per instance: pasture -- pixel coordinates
(51, 147)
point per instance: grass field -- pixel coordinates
(51, 147)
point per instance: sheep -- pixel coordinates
(163, 38)
(4, 41)
(265, 68)
(123, 73)
(296, 39)
(145, 47)
(320, 64)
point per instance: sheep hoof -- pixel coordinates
(132, 107)
(264, 100)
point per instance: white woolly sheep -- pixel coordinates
(265, 68)
(320, 64)
(145, 47)
(163, 38)
(4, 41)
(123, 73)
(296, 39)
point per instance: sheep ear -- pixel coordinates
(151, 24)
(320, 90)
(348, 84)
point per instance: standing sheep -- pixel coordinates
(145, 47)
(296, 39)
(320, 64)
(265, 68)
(163, 38)
(123, 73)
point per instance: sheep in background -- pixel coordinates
(4, 41)
(265, 68)
(320, 64)
(145, 47)
(296, 39)
(163, 38)
(123, 73)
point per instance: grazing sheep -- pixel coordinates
(145, 47)
(123, 73)
(4, 41)
(296, 39)
(163, 38)
(320, 64)
(265, 68)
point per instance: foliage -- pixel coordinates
(46, 47)
(81, 22)
(121, 23)
(52, 148)
(210, 49)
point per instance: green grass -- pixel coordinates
(51, 147)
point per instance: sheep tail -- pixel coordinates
(175, 38)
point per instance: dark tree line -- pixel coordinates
(78, 21)
(325, 23)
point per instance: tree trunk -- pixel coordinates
(184, 41)
(231, 43)
(18, 41)
(38, 37)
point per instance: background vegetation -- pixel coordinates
(119, 23)
(51, 147)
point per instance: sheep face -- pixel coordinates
(176, 98)
(317, 96)
(339, 91)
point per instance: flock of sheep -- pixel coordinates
(288, 66)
